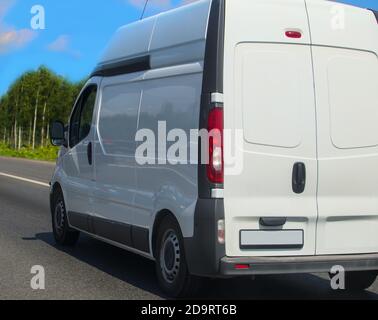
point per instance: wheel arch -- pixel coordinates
(157, 222)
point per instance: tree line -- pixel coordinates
(31, 103)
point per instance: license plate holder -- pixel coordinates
(271, 239)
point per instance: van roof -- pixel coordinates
(149, 35)
(143, 36)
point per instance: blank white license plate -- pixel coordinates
(271, 239)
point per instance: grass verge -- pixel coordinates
(40, 153)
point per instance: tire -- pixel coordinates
(359, 280)
(63, 234)
(171, 267)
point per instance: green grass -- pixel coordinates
(39, 153)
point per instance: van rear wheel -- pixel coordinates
(171, 267)
(359, 280)
(63, 234)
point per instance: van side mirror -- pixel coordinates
(58, 134)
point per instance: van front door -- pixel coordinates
(78, 162)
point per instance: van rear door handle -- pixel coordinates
(273, 221)
(299, 177)
(89, 153)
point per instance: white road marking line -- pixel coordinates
(25, 179)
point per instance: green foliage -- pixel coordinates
(29, 106)
(48, 153)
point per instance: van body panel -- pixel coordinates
(78, 174)
(153, 36)
(163, 35)
(138, 35)
(267, 120)
(375, 14)
(345, 47)
(114, 148)
(129, 103)
(266, 21)
(176, 101)
(353, 95)
(169, 91)
(347, 113)
(340, 25)
(269, 95)
(187, 42)
(181, 54)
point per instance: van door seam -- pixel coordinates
(316, 128)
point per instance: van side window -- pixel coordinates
(81, 119)
(118, 118)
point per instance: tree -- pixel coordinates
(31, 103)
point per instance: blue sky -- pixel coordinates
(76, 33)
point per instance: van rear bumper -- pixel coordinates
(206, 257)
(301, 264)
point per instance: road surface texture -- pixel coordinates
(95, 270)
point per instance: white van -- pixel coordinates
(298, 79)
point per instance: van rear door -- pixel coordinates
(269, 95)
(345, 47)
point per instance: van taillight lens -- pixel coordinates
(215, 167)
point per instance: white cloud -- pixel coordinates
(62, 44)
(11, 38)
(15, 39)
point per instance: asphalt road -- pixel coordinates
(95, 270)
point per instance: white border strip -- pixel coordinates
(43, 184)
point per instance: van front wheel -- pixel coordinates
(171, 268)
(63, 234)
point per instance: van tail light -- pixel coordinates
(215, 167)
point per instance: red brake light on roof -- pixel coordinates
(215, 167)
(293, 34)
